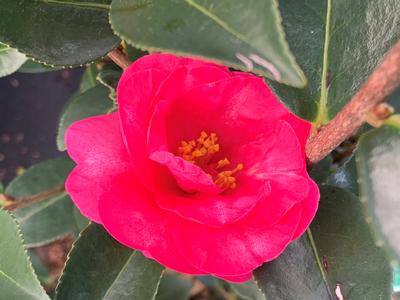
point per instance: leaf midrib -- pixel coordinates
(18, 285)
(241, 37)
(50, 202)
(322, 114)
(77, 4)
(119, 274)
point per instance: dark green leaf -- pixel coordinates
(31, 66)
(90, 103)
(242, 34)
(51, 218)
(41, 177)
(174, 286)
(88, 79)
(10, 60)
(80, 220)
(39, 268)
(58, 32)
(17, 278)
(345, 176)
(357, 32)
(352, 262)
(47, 220)
(322, 170)
(249, 291)
(100, 268)
(294, 275)
(378, 162)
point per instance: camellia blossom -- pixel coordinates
(201, 169)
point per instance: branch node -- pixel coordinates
(379, 114)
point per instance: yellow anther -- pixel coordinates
(222, 163)
(200, 151)
(225, 180)
(203, 146)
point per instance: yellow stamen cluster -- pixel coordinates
(204, 147)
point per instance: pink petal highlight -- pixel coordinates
(96, 145)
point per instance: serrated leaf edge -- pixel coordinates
(150, 49)
(26, 253)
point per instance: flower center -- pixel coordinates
(201, 151)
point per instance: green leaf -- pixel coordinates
(293, 275)
(242, 34)
(378, 163)
(174, 286)
(92, 102)
(100, 268)
(249, 290)
(337, 44)
(10, 60)
(345, 176)
(17, 278)
(40, 269)
(41, 177)
(322, 170)
(88, 79)
(80, 220)
(51, 218)
(31, 66)
(344, 243)
(47, 220)
(58, 32)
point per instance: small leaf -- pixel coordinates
(10, 60)
(58, 32)
(242, 34)
(17, 278)
(378, 162)
(51, 218)
(90, 103)
(294, 275)
(345, 246)
(88, 79)
(174, 286)
(100, 268)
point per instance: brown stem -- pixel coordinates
(12, 203)
(119, 58)
(380, 84)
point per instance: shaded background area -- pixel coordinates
(30, 105)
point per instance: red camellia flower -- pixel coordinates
(201, 169)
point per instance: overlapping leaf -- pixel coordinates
(242, 34)
(337, 44)
(10, 60)
(100, 268)
(53, 216)
(92, 102)
(57, 32)
(378, 162)
(17, 278)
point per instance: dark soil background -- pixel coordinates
(30, 105)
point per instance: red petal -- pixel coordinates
(310, 206)
(235, 249)
(135, 221)
(96, 145)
